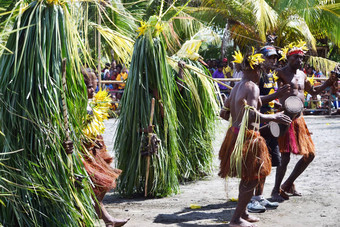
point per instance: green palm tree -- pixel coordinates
(250, 21)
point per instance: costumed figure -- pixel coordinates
(196, 106)
(244, 152)
(149, 167)
(296, 138)
(39, 178)
(96, 158)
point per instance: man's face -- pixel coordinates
(90, 90)
(309, 71)
(295, 61)
(270, 61)
(238, 66)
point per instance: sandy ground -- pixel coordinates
(319, 184)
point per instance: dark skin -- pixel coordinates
(268, 65)
(88, 72)
(247, 91)
(297, 79)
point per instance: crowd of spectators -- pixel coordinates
(115, 72)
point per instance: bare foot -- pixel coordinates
(291, 189)
(116, 222)
(250, 218)
(241, 223)
(276, 197)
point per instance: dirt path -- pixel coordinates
(320, 185)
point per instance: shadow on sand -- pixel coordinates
(220, 218)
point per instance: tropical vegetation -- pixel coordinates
(37, 177)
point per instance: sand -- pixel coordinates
(319, 184)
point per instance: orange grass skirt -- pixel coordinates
(297, 139)
(256, 160)
(97, 165)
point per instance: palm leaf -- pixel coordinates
(323, 64)
(31, 119)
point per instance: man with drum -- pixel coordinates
(296, 139)
(268, 95)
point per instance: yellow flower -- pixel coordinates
(142, 28)
(159, 28)
(238, 57)
(255, 59)
(311, 80)
(276, 78)
(302, 44)
(283, 53)
(101, 105)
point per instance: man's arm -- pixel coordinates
(225, 111)
(252, 100)
(317, 90)
(280, 92)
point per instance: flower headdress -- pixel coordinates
(238, 57)
(255, 59)
(293, 48)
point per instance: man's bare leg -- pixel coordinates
(260, 186)
(246, 191)
(300, 166)
(280, 173)
(103, 214)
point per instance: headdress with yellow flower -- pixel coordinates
(255, 59)
(293, 48)
(238, 57)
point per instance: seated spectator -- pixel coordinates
(210, 67)
(119, 68)
(238, 72)
(226, 69)
(122, 77)
(219, 74)
(106, 73)
(309, 71)
(318, 73)
(114, 75)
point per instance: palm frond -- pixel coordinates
(120, 44)
(31, 120)
(266, 17)
(323, 64)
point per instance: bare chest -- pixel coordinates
(296, 82)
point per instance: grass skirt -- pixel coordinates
(297, 139)
(255, 161)
(97, 164)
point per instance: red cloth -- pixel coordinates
(297, 139)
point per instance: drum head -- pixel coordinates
(293, 105)
(274, 129)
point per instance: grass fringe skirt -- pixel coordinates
(255, 157)
(297, 139)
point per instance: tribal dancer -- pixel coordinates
(297, 139)
(268, 95)
(244, 152)
(97, 159)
